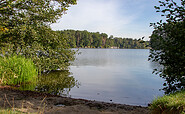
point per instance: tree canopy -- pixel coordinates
(85, 39)
(25, 29)
(168, 44)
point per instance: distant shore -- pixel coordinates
(107, 48)
(30, 101)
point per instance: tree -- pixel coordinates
(104, 38)
(168, 45)
(25, 29)
(97, 40)
(86, 38)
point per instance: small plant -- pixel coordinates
(16, 70)
(169, 104)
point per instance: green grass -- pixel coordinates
(17, 70)
(169, 104)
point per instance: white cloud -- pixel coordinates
(114, 17)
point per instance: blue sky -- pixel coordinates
(120, 18)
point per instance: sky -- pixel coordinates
(120, 18)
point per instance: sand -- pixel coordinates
(35, 102)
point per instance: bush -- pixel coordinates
(169, 104)
(17, 70)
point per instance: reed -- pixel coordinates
(17, 70)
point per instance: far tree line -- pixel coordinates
(85, 39)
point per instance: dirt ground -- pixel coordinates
(35, 102)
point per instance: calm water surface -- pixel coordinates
(115, 75)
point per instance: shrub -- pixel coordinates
(169, 104)
(16, 70)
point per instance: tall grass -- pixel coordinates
(169, 104)
(16, 70)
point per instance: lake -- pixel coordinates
(115, 75)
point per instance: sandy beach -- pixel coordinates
(35, 102)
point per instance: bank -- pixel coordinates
(36, 102)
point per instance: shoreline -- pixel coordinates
(110, 48)
(33, 102)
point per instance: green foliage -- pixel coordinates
(85, 39)
(25, 29)
(17, 70)
(169, 104)
(168, 45)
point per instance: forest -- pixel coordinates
(85, 39)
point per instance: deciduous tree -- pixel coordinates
(168, 44)
(25, 29)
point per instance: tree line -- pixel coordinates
(85, 39)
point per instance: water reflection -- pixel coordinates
(117, 75)
(111, 57)
(56, 83)
(94, 60)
